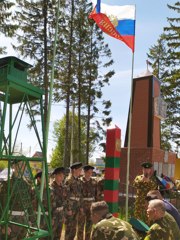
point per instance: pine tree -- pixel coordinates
(95, 84)
(66, 58)
(84, 46)
(171, 89)
(7, 21)
(157, 58)
(34, 38)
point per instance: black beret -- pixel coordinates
(88, 167)
(58, 170)
(138, 225)
(146, 165)
(76, 165)
(38, 175)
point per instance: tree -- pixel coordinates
(7, 21)
(157, 56)
(35, 37)
(171, 88)
(80, 84)
(59, 136)
(76, 80)
(165, 63)
(3, 165)
(95, 83)
(94, 56)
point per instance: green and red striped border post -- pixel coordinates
(112, 169)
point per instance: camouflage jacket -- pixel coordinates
(112, 228)
(35, 199)
(100, 189)
(143, 187)
(165, 228)
(19, 189)
(58, 197)
(89, 188)
(74, 191)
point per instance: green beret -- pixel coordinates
(138, 225)
(146, 165)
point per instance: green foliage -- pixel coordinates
(79, 64)
(59, 136)
(56, 159)
(7, 19)
(3, 164)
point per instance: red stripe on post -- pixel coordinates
(112, 173)
(111, 196)
(116, 214)
(113, 143)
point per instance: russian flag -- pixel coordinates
(116, 21)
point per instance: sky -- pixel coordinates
(151, 17)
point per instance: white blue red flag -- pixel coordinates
(116, 21)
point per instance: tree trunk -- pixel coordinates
(89, 113)
(66, 157)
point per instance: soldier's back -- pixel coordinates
(113, 229)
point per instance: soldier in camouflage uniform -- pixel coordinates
(89, 191)
(164, 226)
(143, 184)
(17, 206)
(58, 201)
(74, 200)
(170, 208)
(2, 229)
(108, 227)
(35, 203)
(100, 187)
(37, 179)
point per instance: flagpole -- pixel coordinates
(129, 141)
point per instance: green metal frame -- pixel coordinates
(15, 91)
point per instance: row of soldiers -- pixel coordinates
(75, 203)
(70, 198)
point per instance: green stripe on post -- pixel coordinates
(112, 162)
(111, 184)
(113, 207)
